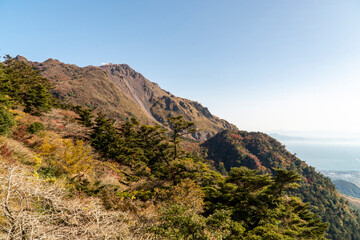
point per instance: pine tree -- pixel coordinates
(37, 99)
(6, 120)
(24, 85)
(179, 128)
(261, 204)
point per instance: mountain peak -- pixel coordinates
(51, 60)
(123, 68)
(21, 59)
(121, 92)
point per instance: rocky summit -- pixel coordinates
(120, 92)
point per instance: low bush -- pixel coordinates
(35, 127)
(6, 120)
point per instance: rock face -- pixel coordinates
(120, 92)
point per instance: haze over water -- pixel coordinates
(260, 64)
(336, 153)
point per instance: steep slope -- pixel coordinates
(259, 151)
(91, 87)
(160, 104)
(120, 92)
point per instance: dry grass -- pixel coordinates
(32, 208)
(355, 202)
(64, 123)
(42, 208)
(19, 152)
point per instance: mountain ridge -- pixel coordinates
(232, 148)
(121, 92)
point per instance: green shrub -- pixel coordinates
(48, 172)
(6, 121)
(35, 127)
(5, 100)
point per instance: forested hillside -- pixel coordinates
(67, 172)
(259, 151)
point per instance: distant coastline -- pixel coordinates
(323, 153)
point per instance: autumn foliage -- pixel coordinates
(72, 173)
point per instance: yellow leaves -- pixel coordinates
(38, 161)
(189, 194)
(36, 175)
(186, 193)
(19, 114)
(69, 156)
(51, 143)
(76, 157)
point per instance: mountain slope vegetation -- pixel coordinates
(259, 151)
(67, 172)
(122, 93)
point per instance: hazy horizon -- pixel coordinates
(338, 153)
(262, 65)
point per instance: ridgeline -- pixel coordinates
(134, 167)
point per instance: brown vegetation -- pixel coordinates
(120, 92)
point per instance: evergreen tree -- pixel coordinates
(6, 120)
(130, 143)
(261, 204)
(37, 99)
(24, 85)
(104, 136)
(179, 128)
(86, 116)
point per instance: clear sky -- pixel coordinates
(262, 65)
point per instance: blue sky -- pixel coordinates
(262, 65)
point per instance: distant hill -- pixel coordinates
(348, 176)
(347, 188)
(281, 137)
(120, 92)
(257, 150)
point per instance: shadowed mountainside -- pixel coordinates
(259, 151)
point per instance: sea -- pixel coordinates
(324, 154)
